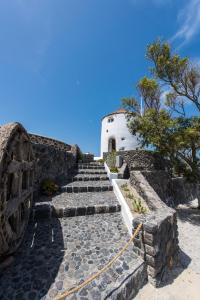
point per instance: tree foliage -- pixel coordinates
(179, 73)
(166, 127)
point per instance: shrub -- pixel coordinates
(125, 187)
(111, 159)
(114, 170)
(79, 155)
(130, 196)
(138, 207)
(101, 160)
(49, 187)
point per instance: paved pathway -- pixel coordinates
(59, 253)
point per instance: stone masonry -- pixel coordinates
(71, 236)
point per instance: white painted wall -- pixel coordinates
(117, 129)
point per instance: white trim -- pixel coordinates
(110, 174)
(125, 210)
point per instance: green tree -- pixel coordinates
(178, 73)
(166, 128)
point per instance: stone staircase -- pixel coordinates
(72, 236)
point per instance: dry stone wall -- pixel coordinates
(54, 160)
(157, 243)
(184, 191)
(158, 240)
(143, 160)
(41, 140)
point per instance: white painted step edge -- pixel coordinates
(110, 174)
(125, 210)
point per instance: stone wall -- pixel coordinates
(42, 140)
(157, 243)
(184, 191)
(53, 161)
(158, 240)
(87, 158)
(143, 160)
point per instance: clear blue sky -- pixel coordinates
(66, 63)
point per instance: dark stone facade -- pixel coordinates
(143, 160)
(184, 191)
(157, 243)
(42, 140)
(53, 163)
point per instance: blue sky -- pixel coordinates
(66, 63)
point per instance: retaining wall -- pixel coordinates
(54, 160)
(158, 241)
(184, 191)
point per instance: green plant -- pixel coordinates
(111, 159)
(49, 187)
(138, 207)
(130, 196)
(114, 170)
(101, 160)
(125, 187)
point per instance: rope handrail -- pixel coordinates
(105, 268)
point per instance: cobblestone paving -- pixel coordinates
(81, 199)
(87, 186)
(58, 254)
(88, 183)
(87, 177)
(90, 171)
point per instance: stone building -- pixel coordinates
(115, 135)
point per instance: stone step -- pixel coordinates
(89, 177)
(93, 163)
(87, 186)
(59, 254)
(87, 166)
(75, 204)
(92, 171)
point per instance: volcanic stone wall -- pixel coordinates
(184, 191)
(54, 160)
(158, 241)
(143, 160)
(42, 140)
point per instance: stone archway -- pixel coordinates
(111, 144)
(16, 185)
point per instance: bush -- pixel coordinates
(101, 160)
(49, 187)
(79, 155)
(138, 207)
(114, 170)
(111, 159)
(125, 187)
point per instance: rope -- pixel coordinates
(107, 266)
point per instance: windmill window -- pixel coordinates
(123, 138)
(110, 120)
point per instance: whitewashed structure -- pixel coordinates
(115, 135)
